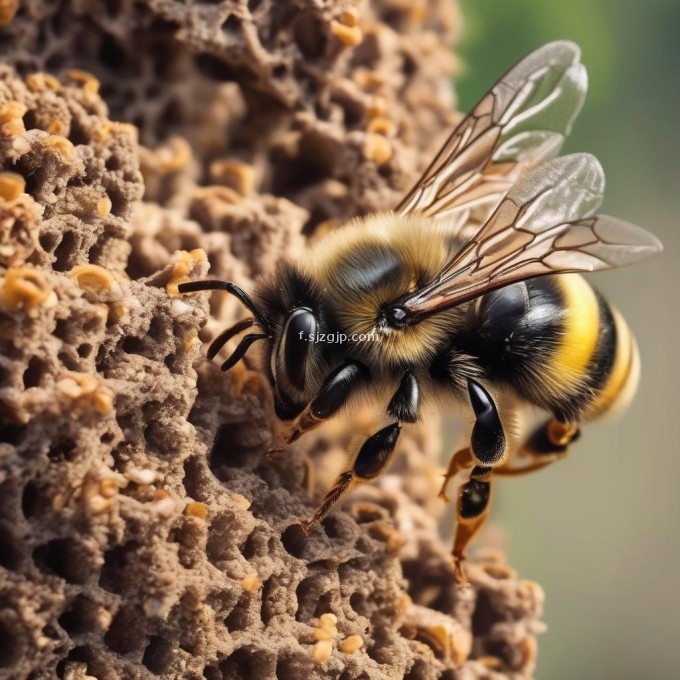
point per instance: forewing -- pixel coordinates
(518, 124)
(545, 225)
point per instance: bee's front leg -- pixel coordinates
(333, 395)
(376, 452)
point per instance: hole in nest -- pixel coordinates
(126, 633)
(65, 558)
(382, 650)
(84, 350)
(10, 648)
(256, 544)
(248, 662)
(158, 655)
(294, 667)
(483, 616)
(111, 54)
(193, 479)
(99, 251)
(273, 594)
(113, 163)
(63, 450)
(418, 671)
(238, 618)
(35, 372)
(133, 345)
(65, 252)
(357, 602)
(82, 654)
(10, 556)
(294, 540)
(70, 362)
(5, 375)
(64, 330)
(158, 329)
(48, 241)
(11, 434)
(324, 604)
(309, 35)
(33, 501)
(208, 65)
(311, 600)
(232, 27)
(80, 617)
(212, 673)
(279, 71)
(229, 449)
(119, 202)
(55, 63)
(30, 120)
(115, 562)
(333, 527)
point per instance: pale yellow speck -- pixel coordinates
(351, 644)
(250, 583)
(322, 651)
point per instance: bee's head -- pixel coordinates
(288, 311)
(295, 361)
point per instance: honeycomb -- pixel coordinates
(144, 533)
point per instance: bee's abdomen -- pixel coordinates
(618, 388)
(560, 344)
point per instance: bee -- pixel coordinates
(464, 297)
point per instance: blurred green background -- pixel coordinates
(600, 530)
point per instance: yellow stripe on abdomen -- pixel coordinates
(580, 332)
(619, 389)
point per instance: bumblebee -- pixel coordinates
(466, 296)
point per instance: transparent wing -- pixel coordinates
(521, 122)
(545, 225)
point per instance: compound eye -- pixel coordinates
(396, 317)
(297, 335)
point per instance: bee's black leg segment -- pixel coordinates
(488, 441)
(373, 457)
(472, 509)
(547, 444)
(333, 395)
(376, 452)
(406, 400)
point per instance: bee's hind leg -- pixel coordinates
(472, 510)
(548, 444)
(376, 452)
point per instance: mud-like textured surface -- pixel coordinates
(143, 533)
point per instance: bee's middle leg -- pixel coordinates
(472, 510)
(376, 452)
(488, 449)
